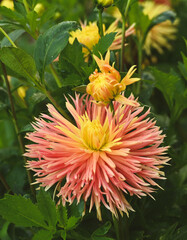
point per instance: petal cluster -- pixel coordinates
(102, 158)
(107, 85)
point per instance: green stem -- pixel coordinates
(116, 227)
(53, 101)
(124, 18)
(123, 44)
(58, 82)
(101, 22)
(9, 39)
(138, 86)
(5, 184)
(17, 128)
(26, 6)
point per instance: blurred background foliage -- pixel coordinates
(163, 87)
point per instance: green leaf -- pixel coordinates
(169, 234)
(13, 35)
(43, 235)
(51, 43)
(16, 178)
(12, 15)
(102, 230)
(62, 215)
(81, 88)
(72, 80)
(72, 59)
(72, 222)
(21, 211)
(63, 234)
(36, 98)
(27, 128)
(166, 83)
(47, 207)
(103, 44)
(19, 61)
(167, 15)
(173, 90)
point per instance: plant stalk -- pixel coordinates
(9, 39)
(5, 184)
(17, 128)
(101, 22)
(123, 45)
(58, 82)
(26, 6)
(116, 227)
(124, 18)
(138, 85)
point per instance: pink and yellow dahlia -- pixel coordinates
(107, 85)
(103, 157)
(89, 36)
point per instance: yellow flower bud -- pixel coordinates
(107, 85)
(22, 91)
(39, 8)
(105, 3)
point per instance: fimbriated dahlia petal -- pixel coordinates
(101, 158)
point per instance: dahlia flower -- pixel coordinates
(89, 36)
(103, 157)
(159, 36)
(107, 85)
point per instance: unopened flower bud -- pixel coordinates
(105, 3)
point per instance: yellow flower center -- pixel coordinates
(93, 134)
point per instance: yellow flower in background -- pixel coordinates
(107, 85)
(159, 36)
(105, 3)
(8, 4)
(22, 91)
(39, 8)
(89, 36)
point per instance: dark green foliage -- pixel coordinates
(43, 36)
(51, 43)
(21, 211)
(103, 44)
(20, 62)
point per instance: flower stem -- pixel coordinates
(17, 128)
(101, 22)
(5, 184)
(124, 18)
(58, 82)
(9, 39)
(123, 44)
(26, 6)
(138, 86)
(116, 227)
